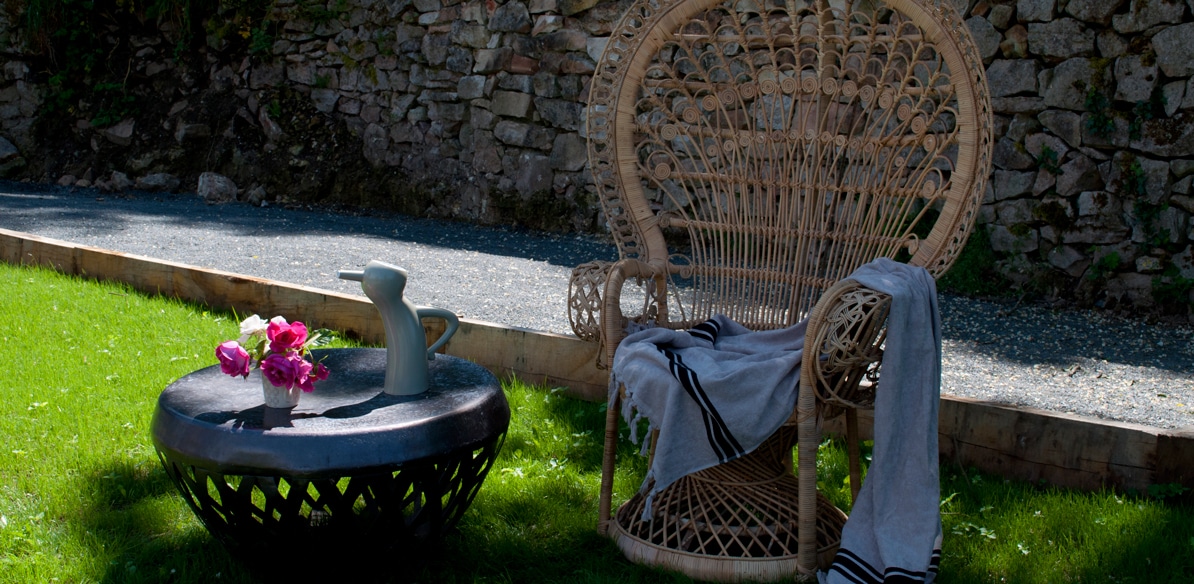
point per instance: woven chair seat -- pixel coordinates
(733, 522)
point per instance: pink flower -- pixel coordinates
(234, 360)
(289, 370)
(320, 373)
(306, 380)
(282, 363)
(283, 336)
(279, 369)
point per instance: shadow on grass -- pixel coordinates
(585, 424)
(545, 532)
(132, 518)
(537, 522)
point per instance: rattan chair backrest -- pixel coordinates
(769, 148)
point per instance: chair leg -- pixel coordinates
(852, 452)
(607, 465)
(806, 476)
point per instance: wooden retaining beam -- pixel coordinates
(1066, 450)
(1023, 443)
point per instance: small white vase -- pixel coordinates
(279, 397)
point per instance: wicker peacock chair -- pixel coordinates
(749, 154)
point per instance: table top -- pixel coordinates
(219, 422)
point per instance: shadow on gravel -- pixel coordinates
(27, 206)
(1030, 335)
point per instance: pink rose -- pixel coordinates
(283, 336)
(279, 369)
(289, 370)
(234, 360)
(308, 376)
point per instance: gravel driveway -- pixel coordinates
(1062, 360)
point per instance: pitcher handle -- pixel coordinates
(453, 324)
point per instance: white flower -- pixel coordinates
(253, 326)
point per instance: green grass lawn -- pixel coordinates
(84, 499)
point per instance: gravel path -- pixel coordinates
(1065, 361)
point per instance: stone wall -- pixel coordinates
(454, 109)
(472, 109)
(1091, 188)
(485, 97)
(19, 100)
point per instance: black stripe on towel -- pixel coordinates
(854, 569)
(706, 331)
(902, 576)
(716, 431)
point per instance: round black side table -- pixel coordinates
(350, 480)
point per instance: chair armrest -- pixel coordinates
(612, 330)
(613, 321)
(585, 290)
(843, 345)
(595, 300)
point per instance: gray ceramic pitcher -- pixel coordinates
(406, 343)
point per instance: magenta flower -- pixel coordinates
(290, 370)
(284, 336)
(306, 377)
(314, 373)
(280, 369)
(234, 360)
(320, 373)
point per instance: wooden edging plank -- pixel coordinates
(1062, 449)
(1024, 443)
(214, 288)
(1065, 450)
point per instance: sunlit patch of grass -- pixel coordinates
(82, 494)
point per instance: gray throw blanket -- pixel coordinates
(717, 391)
(894, 530)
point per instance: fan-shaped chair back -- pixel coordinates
(765, 149)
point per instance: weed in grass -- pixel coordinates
(1167, 490)
(83, 497)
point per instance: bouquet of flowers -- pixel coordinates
(280, 349)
